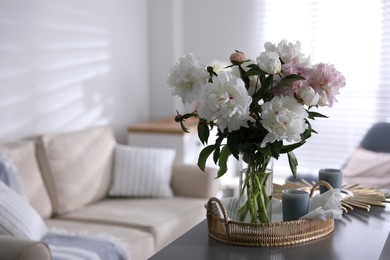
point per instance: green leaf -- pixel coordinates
(291, 147)
(275, 148)
(244, 77)
(313, 115)
(266, 84)
(233, 141)
(293, 162)
(254, 71)
(203, 131)
(268, 81)
(222, 162)
(267, 150)
(188, 115)
(204, 155)
(288, 80)
(307, 134)
(185, 129)
(252, 65)
(217, 146)
(216, 154)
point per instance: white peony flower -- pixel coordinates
(269, 62)
(289, 53)
(308, 95)
(187, 77)
(219, 66)
(284, 118)
(226, 101)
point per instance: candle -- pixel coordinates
(295, 204)
(332, 176)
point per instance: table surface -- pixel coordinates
(359, 235)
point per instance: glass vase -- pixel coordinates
(256, 187)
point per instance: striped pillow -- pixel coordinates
(17, 217)
(142, 172)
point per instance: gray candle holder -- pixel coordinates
(295, 204)
(332, 176)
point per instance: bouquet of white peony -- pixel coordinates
(261, 109)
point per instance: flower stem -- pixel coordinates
(258, 194)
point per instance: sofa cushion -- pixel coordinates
(142, 172)
(77, 166)
(166, 219)
(368, 168)
(17, 218)
(23, 156)
(202, 184)
(139, 243)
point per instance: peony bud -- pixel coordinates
(179, 118)
(237, 58)
(269, 62)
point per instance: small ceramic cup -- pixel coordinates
(295, 204)
(332, 176)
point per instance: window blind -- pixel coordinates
(333, 32)
(383, 95)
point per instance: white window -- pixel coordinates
(355, 37)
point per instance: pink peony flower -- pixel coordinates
(294, 87)
(326, 80)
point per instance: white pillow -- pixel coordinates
(142, 172)
(18, 218)
(368, 168)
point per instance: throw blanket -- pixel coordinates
(9, 175)
(82, 247)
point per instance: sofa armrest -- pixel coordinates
(189, 181)
(19, 249)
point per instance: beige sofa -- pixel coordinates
(66, 178)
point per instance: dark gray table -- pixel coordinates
(359, 235)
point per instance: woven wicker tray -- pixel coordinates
(264, 235)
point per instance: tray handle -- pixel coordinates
(216, 200)
(323, 183)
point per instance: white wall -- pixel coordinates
(68, 64)
(166, 37)
(210, 29)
